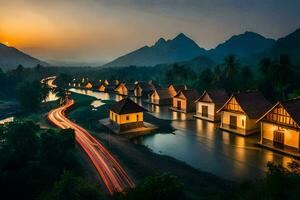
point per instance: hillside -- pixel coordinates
(242, 46)
(11, 57)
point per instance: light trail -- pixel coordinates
(109, 169)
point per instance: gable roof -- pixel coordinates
(253, 103)
(218, 97)
(145, 86)
(291, 106)
(190, 94)
(178, 87)
(126, 106)
(130, 86)
(163, 93)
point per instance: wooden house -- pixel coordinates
(88, 85)
(174, 89)
(160, 97)
(126, 114)
(102, 87)
(241, 111)
(280, 126)
(209, 103)
(184, 101)
(125, 89)
(143, 89)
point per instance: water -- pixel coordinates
(6, 120)
(202, 145)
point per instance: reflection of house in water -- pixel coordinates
(209, 103)
(126, 114)
(160, 97)
(240, 112)
(280, 126)
(184, 101)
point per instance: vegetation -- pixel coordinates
(36, 163)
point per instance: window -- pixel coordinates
(127, 118)
(243, 122)
(137, 118)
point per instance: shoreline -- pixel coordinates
(140, 161)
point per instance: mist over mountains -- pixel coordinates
(183, 50)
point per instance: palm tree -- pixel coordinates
(230, 65)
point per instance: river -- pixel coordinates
(202, 145)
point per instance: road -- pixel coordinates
(110, 171)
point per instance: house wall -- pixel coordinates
(183, 103)
(138, 91)
(122, 90)
(101, 88)
(211, 110)
(291, 136)
(89, 86)
(122, 119)
(172, 90)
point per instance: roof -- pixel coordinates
(130, 86)
(218, 97)
(163, 93)
(146, 86)
(178, 87)
(253, 103)
(291, 106)
(190, 94)
(126, 106)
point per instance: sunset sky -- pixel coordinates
(100, 30)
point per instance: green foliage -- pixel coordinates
(72, 187)
(32, 160)
(279, 183)
(31, 94)
(160, 187)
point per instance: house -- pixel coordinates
(125, 89)
(88, 85)
(241, 111)
(174, 89)
(280, 126)
(126, 114)
(184, 101)
(102, 87)
(160, 97)
(209, 103)
(143, 89)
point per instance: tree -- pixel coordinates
(71, 187)
(160, 187)
(30, 94)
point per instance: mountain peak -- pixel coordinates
(160, 42)
(181, 36)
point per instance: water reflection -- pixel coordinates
(6, 120)
(204, 146)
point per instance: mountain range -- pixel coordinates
(248, 47)
(11, 57)
(244, 46)
(163, 51)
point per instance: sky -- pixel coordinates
(101, 30)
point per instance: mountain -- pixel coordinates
(242, 46)
(289, 44)
(180, 48)
(11, 57)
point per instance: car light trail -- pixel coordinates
(109, 169)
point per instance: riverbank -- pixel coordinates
(140, 162)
